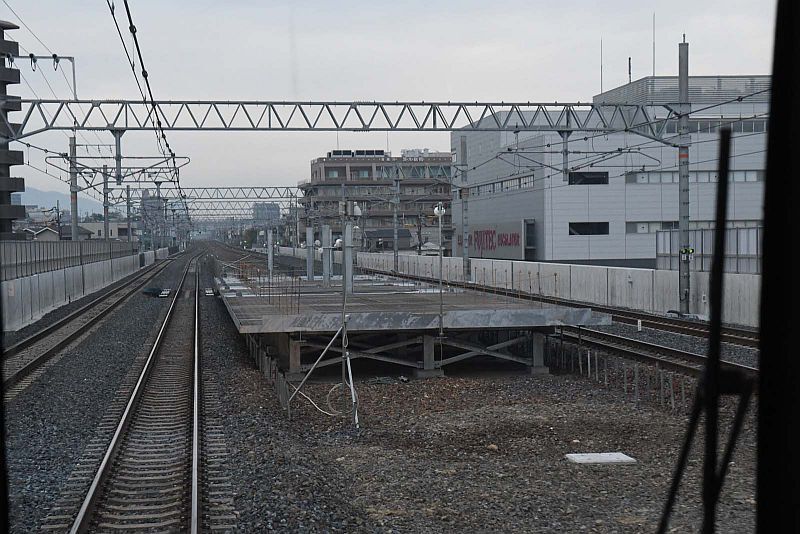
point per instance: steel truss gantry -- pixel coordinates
(239, 195)
(206, 203)
(39, 115)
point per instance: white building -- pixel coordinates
(116, 230)
(621, 187)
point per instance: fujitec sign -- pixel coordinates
(501, 241)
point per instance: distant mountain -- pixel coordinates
(47, 199)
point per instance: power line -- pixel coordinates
(160, 133)
(632, 128)
(557, 186)
(652, 144)
(26, 27)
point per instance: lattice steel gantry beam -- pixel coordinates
(205, 115)
(232, 194)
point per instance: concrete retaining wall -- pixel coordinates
(649, 290)
(25, 300)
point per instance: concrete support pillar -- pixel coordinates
(270, 258)
(537, 355)
(326, 256)
(347, 259)
(310, 253)
(294, 360)
(429, 368)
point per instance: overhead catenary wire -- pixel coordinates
(155, 118)
(584, 158)
(632, 128)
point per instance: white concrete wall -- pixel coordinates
(647, 290)
(25, 300)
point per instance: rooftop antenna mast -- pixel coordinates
(654, 43)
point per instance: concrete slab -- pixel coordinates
(600, 458)
(380, 304)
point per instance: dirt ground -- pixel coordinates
(486, 453)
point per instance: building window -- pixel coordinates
(332, 173)
(588, 178)
(588, 228)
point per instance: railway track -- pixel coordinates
(26, 356)
(149, 477)
(668, 358)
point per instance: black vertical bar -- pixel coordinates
(777, 490)
(711, 379)
(4, 502)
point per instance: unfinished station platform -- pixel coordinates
(290, 320)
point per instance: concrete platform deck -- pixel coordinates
(384, 304)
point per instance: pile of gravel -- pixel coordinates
(49, 424)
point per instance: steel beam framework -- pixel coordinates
(231, 194)
(204, 203)
(130, 115)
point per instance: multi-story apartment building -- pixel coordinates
(375, 180)
(621, 188)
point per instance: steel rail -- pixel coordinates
(29, 367)
(730, 334)
(44, 332)
(194, 519)
(82, 521)
(668, 358)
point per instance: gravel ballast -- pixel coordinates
(9, 338)
(49, 424)
(459, 454)
(698, 345)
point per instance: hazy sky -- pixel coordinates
(366, 50)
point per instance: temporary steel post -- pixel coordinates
(105, 202)
(73, 190)
(683, 171)
(326, 255)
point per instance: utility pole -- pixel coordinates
(105, 201)
(128, 210)
(395, 207)
(464, 191)
(683, 174)
(73, 189)
(419, 231)
(58, 218)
